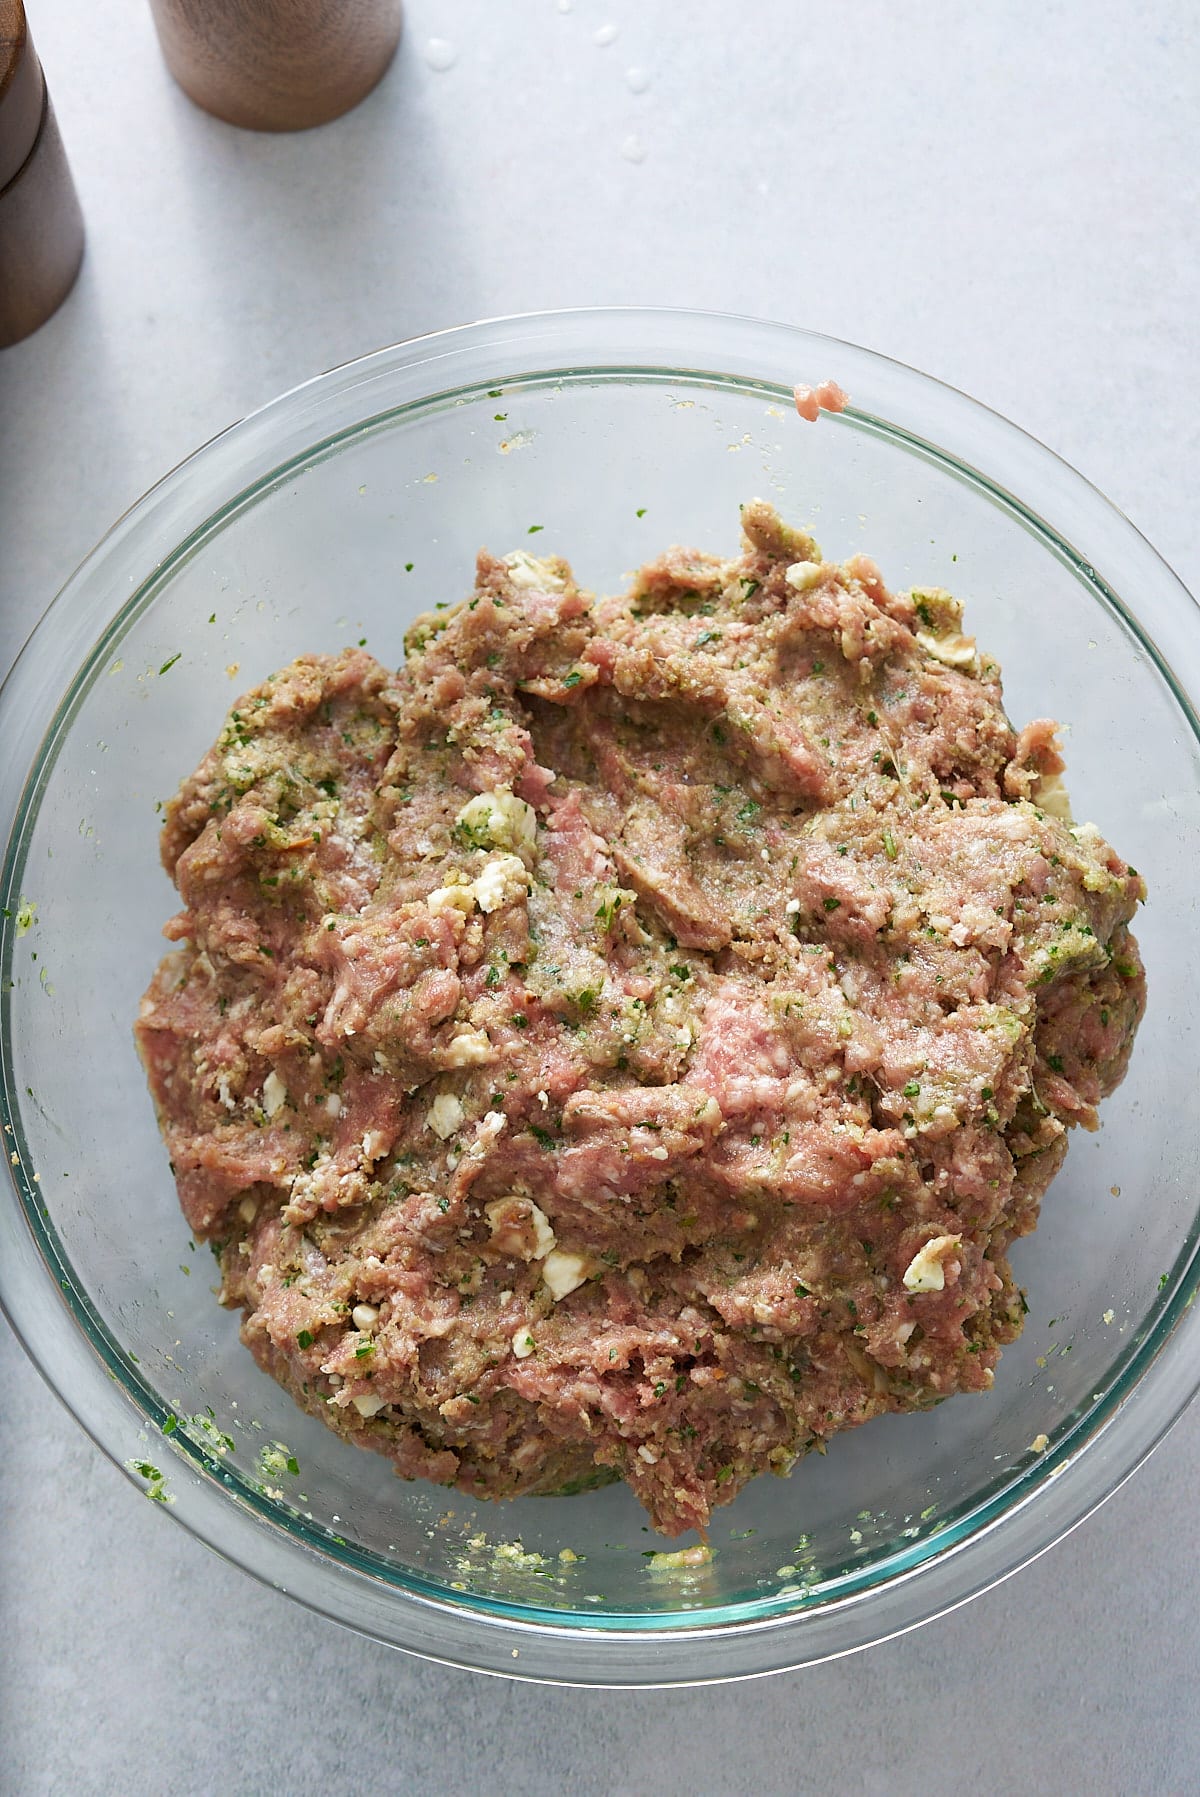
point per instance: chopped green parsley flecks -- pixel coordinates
(304, 1338)
(26, 916)
(210, 1435)
(170, 662)
(156, 1488)
(276, 1459)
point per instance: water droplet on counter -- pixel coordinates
(633, 149)
(605, 36)
(440, 53)
(637, 80)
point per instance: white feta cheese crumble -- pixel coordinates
(563, 1272)
(956, 651)
(367, 1404)
(530, 571)
(802, 575)
(508, 1227)
(491, 888)
(1051, 795)
(445, 1115)
(501, 819)
(791, 909)
(544, 1237)
(523, 1344)
(451, 898)
(333, 1105)
(926, 1271)
(223, 1093)
(274, 1094)
(470, 1048)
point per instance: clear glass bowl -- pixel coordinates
(334, 515)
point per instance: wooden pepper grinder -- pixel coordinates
(277, 65)
(41, 226)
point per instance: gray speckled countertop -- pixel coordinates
(1005, 196)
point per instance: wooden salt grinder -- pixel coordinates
(277, 65)
(41, 226)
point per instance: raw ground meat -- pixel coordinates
(625, 1041)
(812, 401)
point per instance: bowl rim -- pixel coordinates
(406, 1611)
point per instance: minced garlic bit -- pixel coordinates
(445, 1115)
(1110, 1316)
(499, 819)
(563, 1272)
(364, 1316)
(523, 1344)
(926, 1270)
(1039, 1444)
(367, 1404)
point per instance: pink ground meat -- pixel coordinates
(625, 1041)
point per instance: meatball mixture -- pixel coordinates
(625, 1041)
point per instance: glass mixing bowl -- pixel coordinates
(334, 515)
